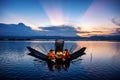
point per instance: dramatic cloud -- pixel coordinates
(64, 31)
(15, 30)
(59, 31)
(23, 30)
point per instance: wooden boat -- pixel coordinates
(59, 44)
(58, 63)
(44, 57)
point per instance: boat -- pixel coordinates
(59, 44)
(57, 64)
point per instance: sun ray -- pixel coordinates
(54, 12)
(92, 17)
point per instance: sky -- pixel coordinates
(88, 17)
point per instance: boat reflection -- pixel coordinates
(61, 65)
(58, 62)
(58, 65)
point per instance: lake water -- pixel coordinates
(101, 62)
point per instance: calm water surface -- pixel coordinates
(101, 62)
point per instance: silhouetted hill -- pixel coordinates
(115, 37)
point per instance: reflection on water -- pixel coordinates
(58, 65)
(102, 61)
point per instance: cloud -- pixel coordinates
(64, 30)
(116, 21)
(116, 32)
(23, 30)
(59, 31)
(15, 30)
(83, 32)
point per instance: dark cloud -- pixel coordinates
(117, 32)
(116, 21)
(23, 30)
(98, 31)
(15, 30)
(59, 31)
(68, 31)
(83, 32)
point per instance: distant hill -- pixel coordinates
(108, 37)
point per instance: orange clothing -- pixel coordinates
(51, 55)
(66, 54)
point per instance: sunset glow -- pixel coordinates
(89, 15)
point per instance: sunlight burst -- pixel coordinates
(54, 12)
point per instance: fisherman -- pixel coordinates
(59, 54)
(59, 57)
(51, 55)
(66, 54)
